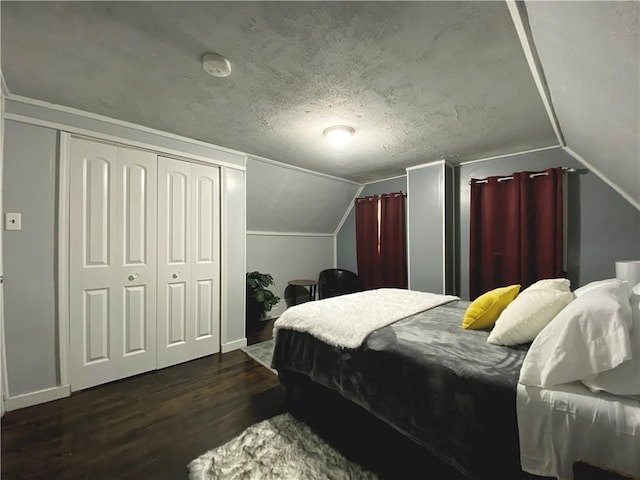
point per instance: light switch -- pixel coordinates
(13, 221)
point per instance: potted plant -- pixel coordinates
(260, 299)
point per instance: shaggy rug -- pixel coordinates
(281, 447)
(262, 353)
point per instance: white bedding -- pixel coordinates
(346, 320)
(570, 423)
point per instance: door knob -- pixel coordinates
(176, 275)
(133, 276)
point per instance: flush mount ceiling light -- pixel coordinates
(339, 135)
(216, 65)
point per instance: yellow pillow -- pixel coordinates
(485, 310)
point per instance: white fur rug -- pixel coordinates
(280, 448)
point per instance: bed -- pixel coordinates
(445, 387)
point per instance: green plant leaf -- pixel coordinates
(257, 283)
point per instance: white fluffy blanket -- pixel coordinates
(345, 321)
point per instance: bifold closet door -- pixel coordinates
(112, 262)
(188, 261)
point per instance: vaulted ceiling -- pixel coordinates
(418, 81)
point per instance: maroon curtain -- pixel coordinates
(516, 230)
(392, 241)
(367, 240)
(380, 241)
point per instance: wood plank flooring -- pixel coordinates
(145, 427)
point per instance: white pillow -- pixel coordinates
(527, 315)
(614, 287)
(562, 284)
(625, 378)
(589, 336)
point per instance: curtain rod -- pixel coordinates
(539, 174)
(371, 197)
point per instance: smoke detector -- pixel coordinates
(216, 65)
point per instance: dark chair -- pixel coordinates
(337, 281)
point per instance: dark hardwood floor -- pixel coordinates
(144, 427)
(150, 426)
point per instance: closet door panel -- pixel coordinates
(136, 256)
(136, 320)
(204, 310)
(94, 339)
(112, 267)
(96, 203)
(206, 259)
(95, 323)
(175, 291)
(177, 211)
(134, 221)
(177, 314)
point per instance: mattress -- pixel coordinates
(570, 423)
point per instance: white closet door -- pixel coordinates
(112, 266)
(205, 270)
(188, 261)
(174, 269)
(137, 259)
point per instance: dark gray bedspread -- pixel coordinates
(443, 386)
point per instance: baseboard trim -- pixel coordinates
(35, 398)
(235, 345)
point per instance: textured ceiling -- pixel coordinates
(419, 81)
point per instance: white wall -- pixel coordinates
(430, 242)
(292, 217)
(2, 361)
(282, 198)
(289, 258)
(29, 264)
(2, 350)
(232, 333)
